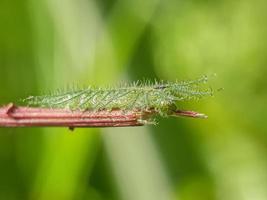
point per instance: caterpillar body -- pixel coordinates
(160, 96)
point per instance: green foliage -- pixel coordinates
(48, 44)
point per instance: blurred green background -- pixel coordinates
(50, 44)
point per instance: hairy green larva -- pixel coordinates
(162, 97)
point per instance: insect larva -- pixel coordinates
(162, 97)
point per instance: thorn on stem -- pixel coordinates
(9, 108)
(71, 128)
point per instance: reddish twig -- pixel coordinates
(185, 113)
(13, 116)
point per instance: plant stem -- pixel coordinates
(14, 116)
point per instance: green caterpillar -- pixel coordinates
(159, 96)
